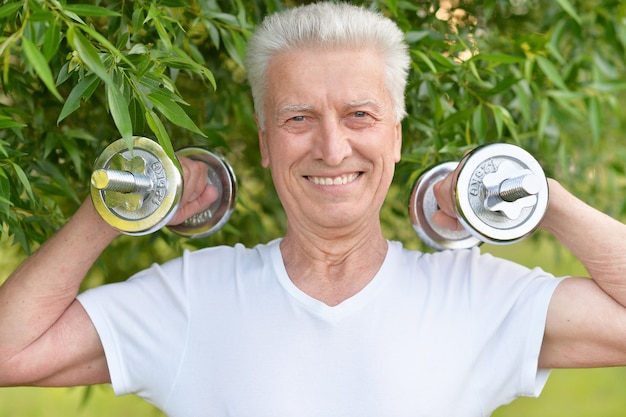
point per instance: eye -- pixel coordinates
(360, 114)
(298, 119)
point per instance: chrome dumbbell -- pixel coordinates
(139, 192)
(501, 195)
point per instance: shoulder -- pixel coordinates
(470, 269)
(230, 257)
(464, 260)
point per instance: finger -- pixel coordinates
(441, 219)
(198, 194)
(443, 193)
(195, 174)
(200, 203)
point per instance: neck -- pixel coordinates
(333, 268)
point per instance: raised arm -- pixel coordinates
(46, 338)
(41, 324)
(586, 325)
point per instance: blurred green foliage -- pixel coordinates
(547, 75)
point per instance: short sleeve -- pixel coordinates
(509, 311)
(143, 326)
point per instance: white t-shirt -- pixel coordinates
(224, 332)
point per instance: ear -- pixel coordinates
(263, 146)
(397, 142)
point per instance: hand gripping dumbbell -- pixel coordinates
(139, 192)
(500, 192)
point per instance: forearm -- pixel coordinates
(595, 238)
(42, 288)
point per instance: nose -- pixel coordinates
(332, 144)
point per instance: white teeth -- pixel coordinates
(344, 179)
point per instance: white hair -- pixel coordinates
(328, 25)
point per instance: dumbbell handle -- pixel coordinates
(522, 186)
(511, 195)
(121, 181)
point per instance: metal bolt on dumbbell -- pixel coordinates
(138, 194)
(501, 195)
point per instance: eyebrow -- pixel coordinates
(348, 105)
(361, 103)
(292, 108)
(295, 108)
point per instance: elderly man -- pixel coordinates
(333, 319)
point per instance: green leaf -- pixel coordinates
(38, 61)
(416, 36)
(52, 40)
(137, 20)
(214, 33)
(90, 10)
(7, 122)
(185, 62)
(88, 54)
(172, 111)
(555, 40)
(118, 106)
(595, 119)
(524, 98)
(503, 117)
(65, 10)
(551, 71)
(545, 112)
(442, 60)
(504, 84)
(154, 14)
(457, 118)
(229, 19)
(19, 237)
(497, 116)
(424, 58)
(569, 9)
(10, 8)
(479, 123)
(233, 45)
(104, 41)
(82, 90)
(498, 59)
(59, 185)
(21, 175)
(73, 150)
(608, 86)
(161, 133)
(566, 101)
(5, 194)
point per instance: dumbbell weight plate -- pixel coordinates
(220, 175)
(422, 207)
(470, 194)
(132, 213)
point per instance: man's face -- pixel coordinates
(330, 139)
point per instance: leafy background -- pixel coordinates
(546, 75)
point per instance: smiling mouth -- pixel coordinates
(340, 180)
